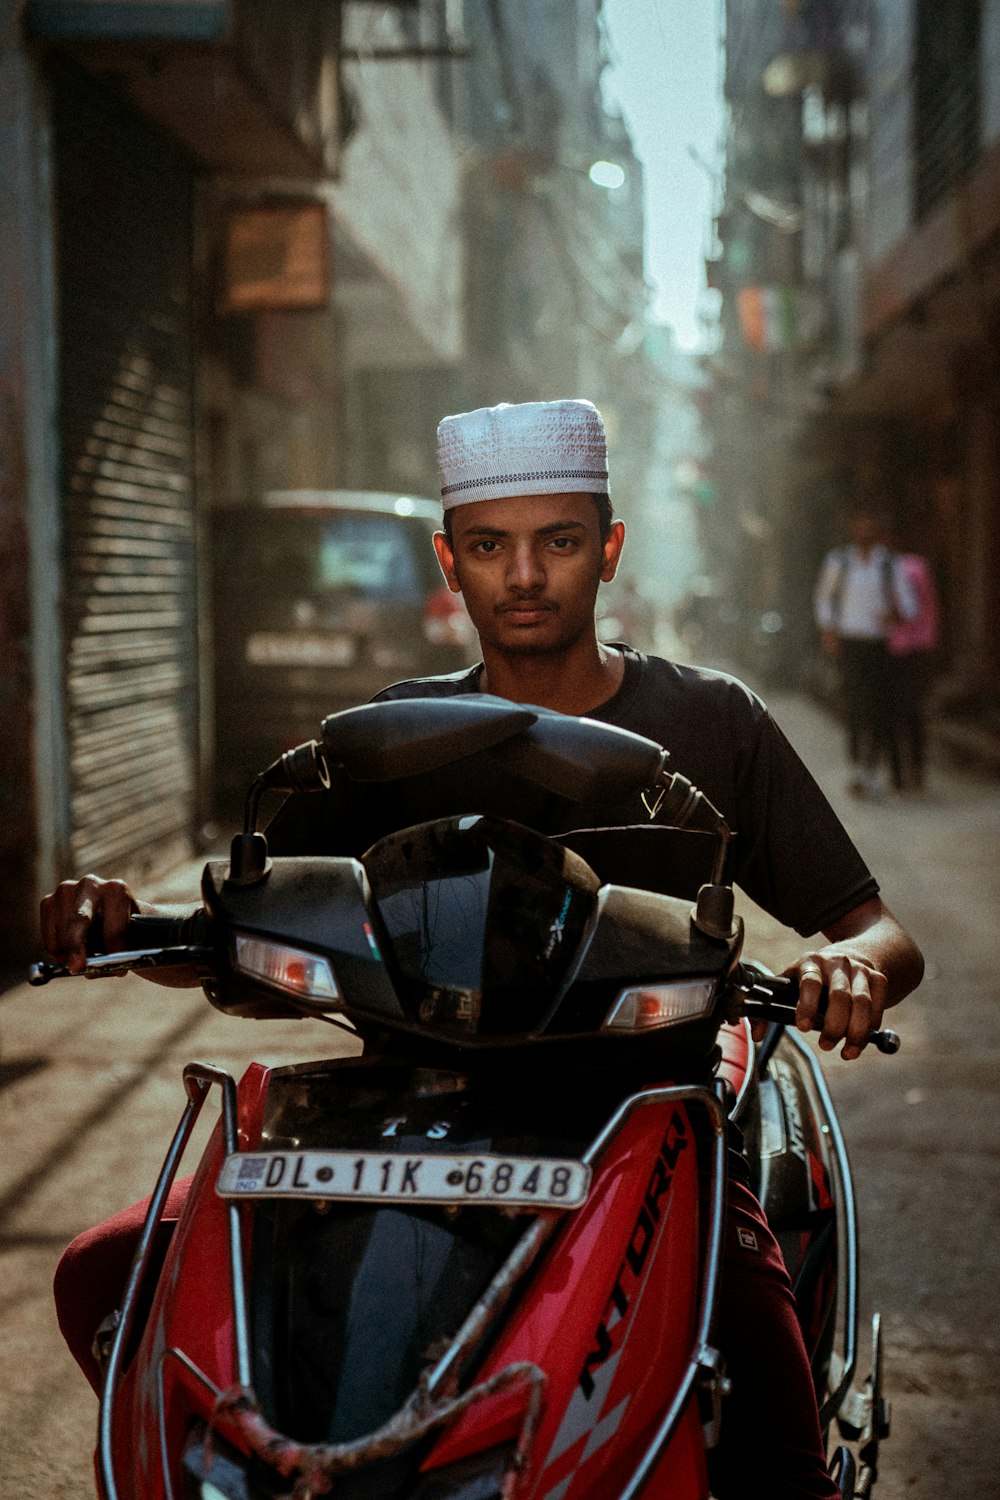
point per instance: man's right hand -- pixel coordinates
(69, 913)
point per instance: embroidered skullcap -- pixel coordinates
(535, 448)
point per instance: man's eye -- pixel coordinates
(561, 543)
(487, 545)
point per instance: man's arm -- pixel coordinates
(830, 574)
(828, 586)
(868, 963)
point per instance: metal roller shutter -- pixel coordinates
(124, 223)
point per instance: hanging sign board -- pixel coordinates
(276, 257)
(129, 20)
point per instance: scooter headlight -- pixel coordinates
(307, 977)
(652, 1006)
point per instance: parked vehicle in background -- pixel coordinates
(320, 598)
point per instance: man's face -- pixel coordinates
(529, 568)
(863, 529)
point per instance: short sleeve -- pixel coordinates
(792, 854)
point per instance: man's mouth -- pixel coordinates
(526, 611)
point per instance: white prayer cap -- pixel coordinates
(535, 448)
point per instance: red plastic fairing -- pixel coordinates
(251, 1100)
(610, 1316)
(192, 1312)
(734, 1043)
(682, 1470)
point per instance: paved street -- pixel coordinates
(91, 1089)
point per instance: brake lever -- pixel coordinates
(114, 965)
(761, 1003)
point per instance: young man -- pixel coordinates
(528, 538)
(861, 593)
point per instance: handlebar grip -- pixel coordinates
(152, 940)
(165, 930)
(779, 992)
(146, 930)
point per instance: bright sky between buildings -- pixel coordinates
(666, 76)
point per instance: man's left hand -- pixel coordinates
(856, 993)
(867, 963)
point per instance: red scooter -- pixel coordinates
(481, 1260)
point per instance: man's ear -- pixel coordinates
(446, 561)
(612, 551)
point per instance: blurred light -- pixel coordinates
(403, 507)
(791, 72)
(687, 472)
(607, 174)
(446, 620)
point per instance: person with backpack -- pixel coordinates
(862, 591)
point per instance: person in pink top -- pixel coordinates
(911, 644)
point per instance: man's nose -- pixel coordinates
(526, 570)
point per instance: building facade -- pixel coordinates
(169, 338)
(241, 256)
(859, 269)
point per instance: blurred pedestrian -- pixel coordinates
(911, 644)
(630, 615)
(861, 592)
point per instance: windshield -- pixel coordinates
(374, 558)
(483, 918)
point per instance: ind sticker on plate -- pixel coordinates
(376, 1178)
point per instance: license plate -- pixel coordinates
(372, 1177)
(267, 649)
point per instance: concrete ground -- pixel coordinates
(91, 1089)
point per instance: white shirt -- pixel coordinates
(851, 593)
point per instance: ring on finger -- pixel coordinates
(811, 971)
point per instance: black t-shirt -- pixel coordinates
(789, 853)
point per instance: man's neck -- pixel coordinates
(574, 682)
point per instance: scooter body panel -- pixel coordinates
(347, 1299)
(609, 1316)
(193, 1313)
(797, 1190)
(360, 1339)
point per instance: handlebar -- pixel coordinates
(164, 930)
(773, 997)
(163, 940)
(156, 941)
